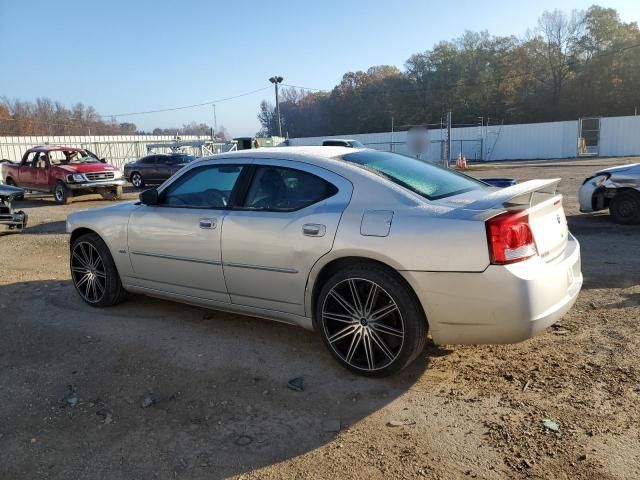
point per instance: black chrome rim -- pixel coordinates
(363, 324)
(88, 272)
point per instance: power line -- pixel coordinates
(184, 107)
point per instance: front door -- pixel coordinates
(286, 222)
(174, 246)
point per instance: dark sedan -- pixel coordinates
(156, 168)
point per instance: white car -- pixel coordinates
(616, 189)
(371, 249)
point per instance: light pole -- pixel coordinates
(276, 80)
(215, 122)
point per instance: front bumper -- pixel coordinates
(503, 304)
(96, 185)
(585, 197)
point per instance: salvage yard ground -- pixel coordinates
(73, 379)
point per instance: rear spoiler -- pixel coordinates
(517, 196)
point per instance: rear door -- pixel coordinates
(286, 221)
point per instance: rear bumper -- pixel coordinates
(503, 304)
(96, 185)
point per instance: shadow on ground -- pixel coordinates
(217, 383)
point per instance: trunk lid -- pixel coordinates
(540, 200)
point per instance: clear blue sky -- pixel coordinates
(128, 56)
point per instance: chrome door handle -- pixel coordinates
(208, 223)
(313, 230)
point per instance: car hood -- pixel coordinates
(87, 167)
(9, 192)
(631, 168)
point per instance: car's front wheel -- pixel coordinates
(625, 207)
(137, 180)
(94, 272)
(62, 194)
(370, 320)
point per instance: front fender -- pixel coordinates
(111, 224)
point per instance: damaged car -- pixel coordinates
(15, 220)
(616, 189)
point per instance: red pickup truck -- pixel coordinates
(65, 172)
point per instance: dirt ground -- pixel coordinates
(73, 379)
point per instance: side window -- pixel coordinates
(205, 187)
(150, 160)
(286, 189)
(32, 159)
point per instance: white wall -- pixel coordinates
(117, 149)
(619, 136)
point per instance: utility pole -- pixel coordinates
(215, 121)
(276, 79)
(448, 144)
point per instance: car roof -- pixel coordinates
(325, 157)
(54, 148)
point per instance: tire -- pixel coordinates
(137, 180)
(625, 207)
(10, 182)
(93, 272)
(62, 194)
(350, 329)
(112, 194)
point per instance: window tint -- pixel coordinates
(285, 189)
(148, 160)
(430, 181)
(179, 159)
(204, 187)
(334, 143)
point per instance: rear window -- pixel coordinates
(177, 159)
(425, 179)
(334, 143)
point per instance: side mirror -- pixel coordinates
(103, 160)
(149, 197)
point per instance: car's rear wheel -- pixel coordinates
(137, 180)
(370, 320)
(94, 272)
(625, 207)
(62, 194)
(10, 182)
(112, 193)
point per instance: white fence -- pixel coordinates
(619, 136)
(117, 149)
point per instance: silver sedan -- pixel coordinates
(373, 250)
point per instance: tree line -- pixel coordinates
(47, 117)
(571, 65)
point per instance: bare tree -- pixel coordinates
(561, 34)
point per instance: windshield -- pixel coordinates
(428, 180)
(61, 157)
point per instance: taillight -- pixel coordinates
(510, 238)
